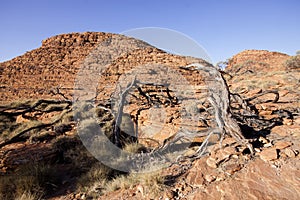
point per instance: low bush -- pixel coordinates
(293, 62)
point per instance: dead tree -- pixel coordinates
(21, 110)
(219, 97)
(119, 114)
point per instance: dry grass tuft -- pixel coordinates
(28, 196)
(29, 182)
(152, 182)
(134, 147)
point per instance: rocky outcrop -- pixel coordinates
(254, 72)
(259, 180)
(256, 60)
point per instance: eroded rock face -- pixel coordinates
(35, 73)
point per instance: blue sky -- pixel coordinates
(223, 28)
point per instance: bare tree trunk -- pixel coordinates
(119, 115)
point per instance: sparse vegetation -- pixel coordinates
(152, 182)
(28, 196)
(31, 181)
(94, 180)
(134, 147)
(293, 62)
(249, 63)
(265, 81)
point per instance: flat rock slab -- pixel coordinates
(257, 181)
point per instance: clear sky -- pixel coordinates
(223, 28)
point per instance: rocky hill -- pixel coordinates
(55, 63)
(47, 95)
(255, 71)
(257, 60)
